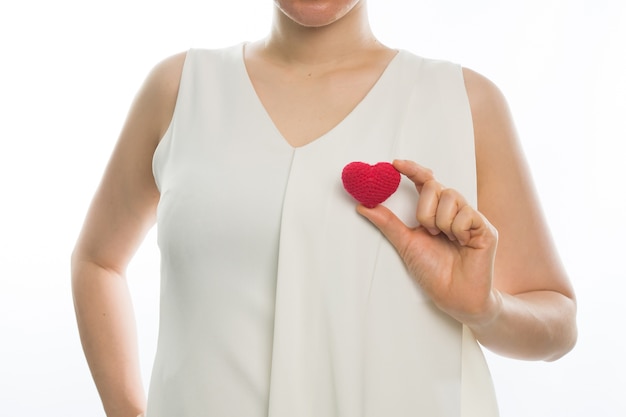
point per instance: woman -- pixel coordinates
(277, 298)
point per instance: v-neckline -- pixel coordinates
(361, 103)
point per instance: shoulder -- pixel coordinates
(157, 96)
(494, 130)
(485, 98)
(165, 76)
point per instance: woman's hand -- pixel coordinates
(451, 253)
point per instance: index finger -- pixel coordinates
(414, 171)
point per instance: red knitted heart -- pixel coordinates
(370, 184)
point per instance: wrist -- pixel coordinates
(483, 321)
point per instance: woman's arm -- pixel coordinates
(538, 316)
(122, 211)
(494, 269)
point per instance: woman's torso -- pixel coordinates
(277, 299)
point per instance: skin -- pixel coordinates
(494, 269)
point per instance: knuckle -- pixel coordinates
(467, 210)
(425, 219)
(448, 195)
(452, 194)
(433, 184)
(386, 220)
(444, 224)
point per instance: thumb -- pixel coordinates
(396, 232)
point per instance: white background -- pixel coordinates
(69, 70)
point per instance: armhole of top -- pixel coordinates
(160, 151)
(472, 133)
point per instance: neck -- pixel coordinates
(292, 43)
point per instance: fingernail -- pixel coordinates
(434, 232)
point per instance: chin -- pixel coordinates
(315, 13)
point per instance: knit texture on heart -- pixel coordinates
(369, 184)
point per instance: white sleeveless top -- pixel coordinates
(277, 298)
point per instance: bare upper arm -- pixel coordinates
(124, 207)
(526, 259)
